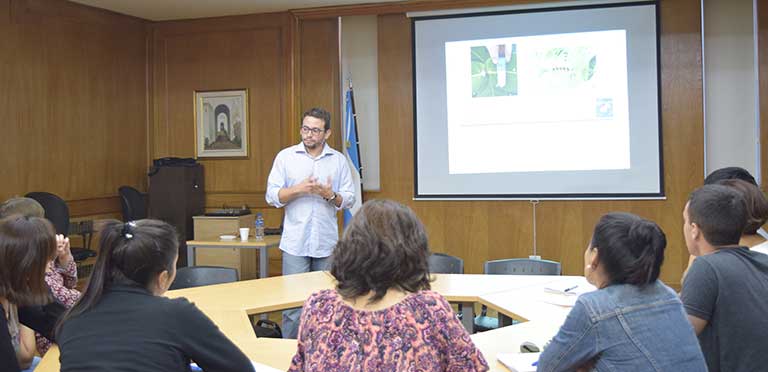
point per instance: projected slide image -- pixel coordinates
(539, 103)
(494, 70)
(554, 78)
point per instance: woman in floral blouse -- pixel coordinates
(61, 278)
(382, 315)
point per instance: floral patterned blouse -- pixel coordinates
(418, 334)
(61, 281)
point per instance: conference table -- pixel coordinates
(520, 297)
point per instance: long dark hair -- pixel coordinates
(131, 253)
(630, 248)
(27, 244)
(385, 246)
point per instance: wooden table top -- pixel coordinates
(268, 241)
(534, 302)
(258, 295)
(228, 305)
(508, 339)
(470, 287)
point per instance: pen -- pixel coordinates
(571, 288)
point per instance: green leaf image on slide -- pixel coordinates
(485, 73)
(568, 67)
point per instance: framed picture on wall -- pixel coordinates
(221, 123)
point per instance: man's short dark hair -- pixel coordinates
(319, 113)
(720, 212)
(729, 173)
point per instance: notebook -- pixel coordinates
(519, 362)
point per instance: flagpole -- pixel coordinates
(353, 161)
(357, 137)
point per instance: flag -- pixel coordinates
(352, 152)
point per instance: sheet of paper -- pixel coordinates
(264, 368)
(256, 366)
(519, 362)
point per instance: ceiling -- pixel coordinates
(163, 10)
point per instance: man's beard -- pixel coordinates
(312, 145)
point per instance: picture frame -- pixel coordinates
(221, 123)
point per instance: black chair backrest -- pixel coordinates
(441, 263)
(522, 266)
(133, 203)
(56, 210)
(197, 276)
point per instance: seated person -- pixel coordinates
(26, 246)
(382, 315)
(729, 173)
(725, 290)
(757, 214)
(122, 323)
(60, 273)
(633, 322)
(721, 175)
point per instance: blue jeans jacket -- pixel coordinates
(626, 328)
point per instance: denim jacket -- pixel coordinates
(626, 328)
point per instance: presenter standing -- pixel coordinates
(313, 182)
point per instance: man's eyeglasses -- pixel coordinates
(305, 129)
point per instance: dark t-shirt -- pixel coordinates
(729, 289)
(131, 330)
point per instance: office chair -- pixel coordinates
(198, 276)
(133, 203)
(513, 266)
(57, 212)
(441, 263)
(522, 266)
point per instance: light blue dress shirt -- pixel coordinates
(310, 226)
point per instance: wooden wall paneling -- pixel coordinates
(682, 118)
(9, 169)
(481, 230)
(252, 52)
(291, 133)
(762, 56)
(395, 107)
(74, 98)
(319, 72)
(401, 7)
(94, 207)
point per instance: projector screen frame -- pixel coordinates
(661, 195)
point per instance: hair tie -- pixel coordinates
(128, 229)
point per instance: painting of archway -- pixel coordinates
(221, 123)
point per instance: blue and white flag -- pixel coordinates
(352, 152)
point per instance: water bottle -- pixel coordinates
(258, 231)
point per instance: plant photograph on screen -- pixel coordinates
(494, 70)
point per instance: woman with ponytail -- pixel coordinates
(122, 323)
(633, 322)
